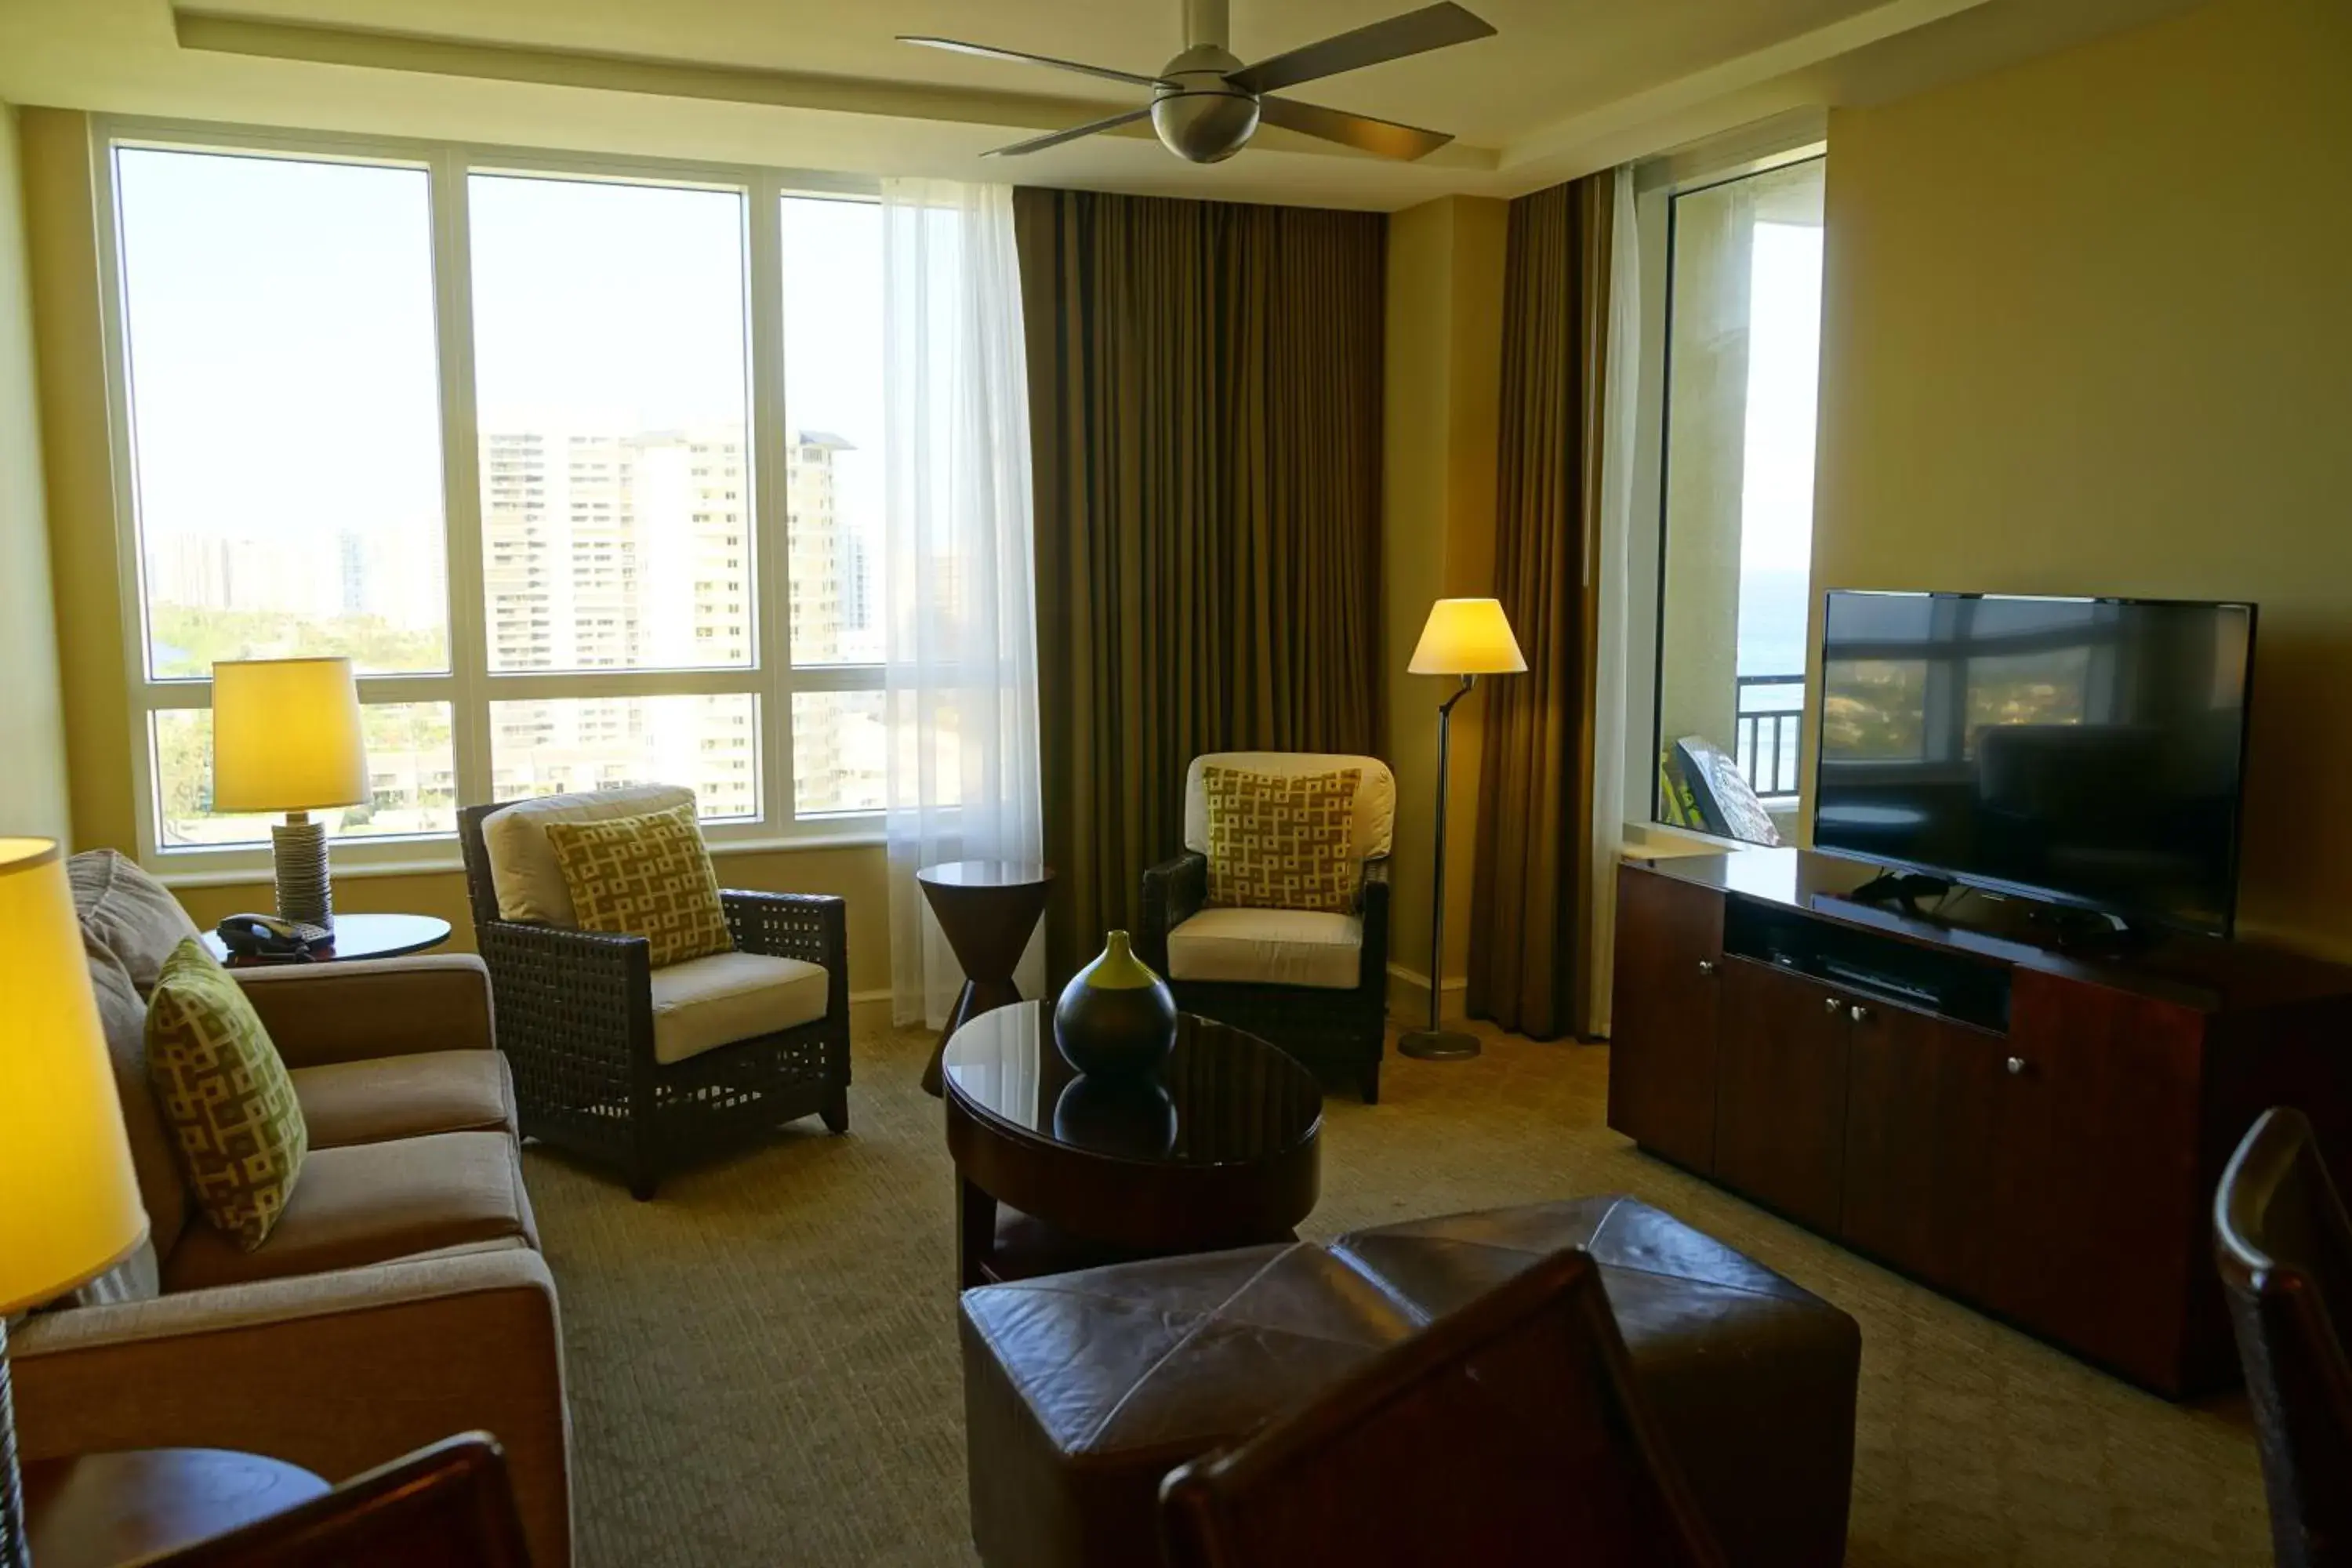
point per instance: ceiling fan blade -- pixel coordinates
(1415, 32)
(1361, 131)
(1039, 144)
(989, 51)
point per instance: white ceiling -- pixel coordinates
(1567, 87)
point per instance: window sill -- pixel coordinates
(1662, 839)
(449, 864)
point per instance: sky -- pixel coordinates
(1784, 351)
(283, 350)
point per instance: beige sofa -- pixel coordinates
(401, 1297)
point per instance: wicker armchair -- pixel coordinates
(575, 1017)
(1335, 1020)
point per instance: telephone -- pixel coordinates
(267, 936)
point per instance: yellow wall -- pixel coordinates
(62, 252)
(2087, 328)
(1443, 382)
(33, 798)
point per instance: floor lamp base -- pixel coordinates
(1437, 1045)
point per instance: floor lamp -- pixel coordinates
(69, 1197)
(1466, 638)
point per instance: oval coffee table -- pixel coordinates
(1220, 1148)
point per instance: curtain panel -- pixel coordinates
(1530, 960)
(1205, 398)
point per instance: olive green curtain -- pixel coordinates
(1204, 392)
(1528, 956)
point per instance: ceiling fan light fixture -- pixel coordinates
(1201, 117)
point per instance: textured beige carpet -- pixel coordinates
(763, 1365)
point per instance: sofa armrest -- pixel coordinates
(1372, 901)
(1173, 892)
(321, 1013)
(336, 1372)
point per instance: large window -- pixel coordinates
(1739, 338)
(580, 464)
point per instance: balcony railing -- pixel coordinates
(1768, 735)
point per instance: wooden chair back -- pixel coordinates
(2284, 1246)
(1509, 1433)
(450, 1505)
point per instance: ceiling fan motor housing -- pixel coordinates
(1203, 118)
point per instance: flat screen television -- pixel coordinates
(2084, 751)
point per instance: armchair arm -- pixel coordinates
(1173, 893)
(811, 927)
(1374, 901)
(584, 998)
(335, 1372)
(321, 1013)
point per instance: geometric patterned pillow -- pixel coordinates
(1282, 842)
(644, 876)
(224, 1089)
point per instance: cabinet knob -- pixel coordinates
(1706, 966)
(1832, 1005)
(2016, 1067)
(1859, 1013)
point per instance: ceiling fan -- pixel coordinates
(1206, 104)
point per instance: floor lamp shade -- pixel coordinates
(286, 735)
(69, 1204)
(1467, 636)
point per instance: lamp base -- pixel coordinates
(297, 848)
(1437, 1045)
(15, 1547)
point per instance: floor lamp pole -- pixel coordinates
(1436, 1043)
(15, 1550)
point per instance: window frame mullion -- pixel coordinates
(461, 482)
(771, 498)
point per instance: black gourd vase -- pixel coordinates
(1115, 1018)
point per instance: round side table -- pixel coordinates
(356, 936)
(100, 1510)
(986, 910)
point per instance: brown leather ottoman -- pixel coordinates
(1082, 1391)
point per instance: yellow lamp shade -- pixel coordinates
(69, 1198)
(286, 735)
(1467, 636)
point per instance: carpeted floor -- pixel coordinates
(763, 1367)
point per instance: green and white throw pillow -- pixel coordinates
(225, 1095)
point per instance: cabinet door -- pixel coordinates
(1922, 1093)
(1781, 1091)
(2100, 1232)
(1663, 1015)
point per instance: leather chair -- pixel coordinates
(1510, 1434)
(643, 1067)
(1311, 981)
(2286, 1251)
(450, 1505)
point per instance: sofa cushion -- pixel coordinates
(226, 1094)
(706, 1003)
(373, 1202)
(126, 914)
(1269, 947)
(645, 876)
(523, 869)
(346, 1103)
(1375, 794)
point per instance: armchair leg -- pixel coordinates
(836, 1109)
(1372, 1081)
(643, 1185)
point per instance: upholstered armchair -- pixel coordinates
(647, 1068)
(1313, 982)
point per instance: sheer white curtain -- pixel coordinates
(961, 638)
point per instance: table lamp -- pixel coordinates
(69, 1206)
(1468, 637)
(286, 737)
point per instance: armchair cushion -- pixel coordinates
(645, 876)
(1375, 792)
(348, 1103)
(373, 1202)
(1282, 841)
(524, 872)
(1269, 947)
(706, 1003)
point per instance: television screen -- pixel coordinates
(2085, 750)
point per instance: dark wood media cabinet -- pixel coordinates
(2033, 1132)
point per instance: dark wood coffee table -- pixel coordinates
(1221, 1149)
(986, 910)
(101, 1510)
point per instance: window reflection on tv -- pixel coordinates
(2085, 750)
